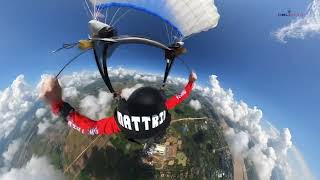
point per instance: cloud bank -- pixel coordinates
(302, 26)
(15, 101)
(265, 147)
(8, 155)
(36, 168)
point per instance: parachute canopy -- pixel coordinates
(186, 16)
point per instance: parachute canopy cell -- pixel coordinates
(186, 16)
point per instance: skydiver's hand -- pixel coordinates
(51, 91)
(193, 77)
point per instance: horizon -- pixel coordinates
(251, 52)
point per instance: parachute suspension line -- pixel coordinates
(106, 16)
(185, 64)
(186, 38)
(86, 2)
(86, 10)
(123, 15)
(99, 9)
(114, 15)
(177, 36)
(165, 24)
(94, 9)
(69, 62)
(171, 35)
(197, 17)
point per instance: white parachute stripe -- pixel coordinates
(188, 16)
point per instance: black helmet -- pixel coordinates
(144, 114)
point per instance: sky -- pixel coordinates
(280, 78)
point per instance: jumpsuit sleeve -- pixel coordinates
(179, 98)
(86, 125)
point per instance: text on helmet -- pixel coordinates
(133, 122)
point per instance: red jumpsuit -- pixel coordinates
(108, 125)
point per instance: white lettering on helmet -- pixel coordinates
(150, 122)
(155, 121)
(127, 122)
(136, 121)
(146, 120)
(162, 117)
(120, 120)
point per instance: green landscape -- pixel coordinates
(204, 154)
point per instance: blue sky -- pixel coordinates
(281, 79)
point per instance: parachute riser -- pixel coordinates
(109, 38)
(167, 71)
(102, 65)
(175, 51)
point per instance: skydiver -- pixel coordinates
(144, 115)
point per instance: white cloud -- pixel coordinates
(36, 168)
(177, 80)
(121, 72)
(41, 112)
(264, 160)
(79, 79)
(269, 149)
(43, 126)
(270, 145)
(238, 141)
(302, 26)
(15, 101)
(11, 151)
(195, 104)
(71, 83)
(96, 107)
(282, 143)
(149, 78)
(126, 92)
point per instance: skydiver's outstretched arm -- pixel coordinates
(84, 124)
(51, 92)
(178, 99)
